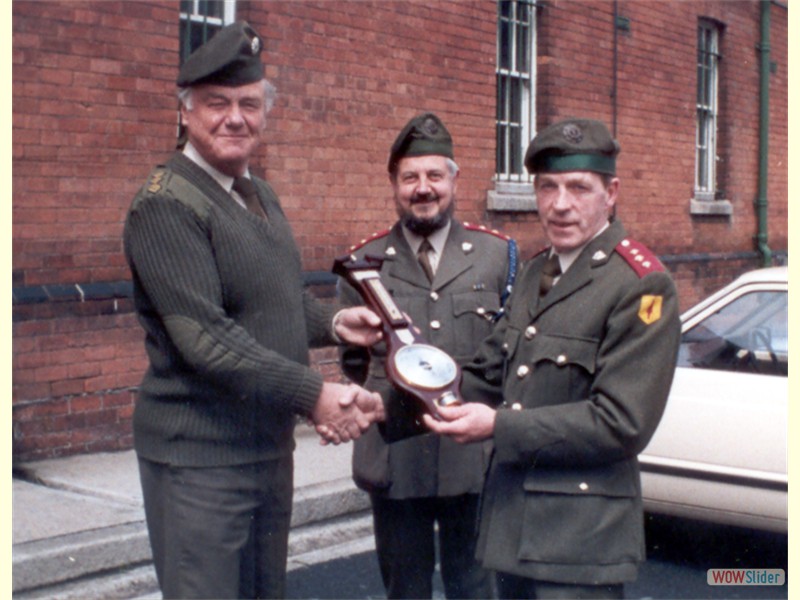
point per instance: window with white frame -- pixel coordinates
(201, 19)
(706, 198)
(707, 110)
(516, 106)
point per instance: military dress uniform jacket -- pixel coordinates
(454, 312)
(581, 378)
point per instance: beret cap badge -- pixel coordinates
(572, 133)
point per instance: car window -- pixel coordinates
(749, 334)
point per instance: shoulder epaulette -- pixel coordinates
(372, 238)
(640, 258)
(485, 229)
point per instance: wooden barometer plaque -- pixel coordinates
(414, 366)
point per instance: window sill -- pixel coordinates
(710, 207)
(512, 197)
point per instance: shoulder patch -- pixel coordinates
(485, 229)
(372, 238)
(639, 257)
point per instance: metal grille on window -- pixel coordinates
(515, 76)
(707, 110)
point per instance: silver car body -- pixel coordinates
(720, 452)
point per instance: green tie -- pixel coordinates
(551, 270)
(248, 192)
(424, 259)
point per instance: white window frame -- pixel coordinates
(513, 185)
(705, 199)
(200, 18)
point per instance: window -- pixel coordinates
(201, 19)
(706, 150)
(515, 111)
(750, 335)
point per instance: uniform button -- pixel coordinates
(436, 325)
(434, 296)
(584, 486)
(505, 347)
(561, 359)
(481, 311)
(516, 406)
(530, 332)
(522, 371)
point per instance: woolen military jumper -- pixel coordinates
(228, 324)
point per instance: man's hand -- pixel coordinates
(358, 325)
(344, 412)
(465, 423)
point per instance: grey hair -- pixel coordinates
(270, 94)
(452, 168)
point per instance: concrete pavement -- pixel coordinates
(79, 531)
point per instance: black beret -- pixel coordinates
(573, 145)
(231, 58)
(423, 135)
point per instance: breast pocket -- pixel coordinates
(563, 366)
(473, 316)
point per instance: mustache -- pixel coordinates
(421, 198)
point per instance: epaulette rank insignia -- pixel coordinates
(485, 229)
(369, 239)
(640, 258)
(155, 181)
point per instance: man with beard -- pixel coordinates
(451, 279)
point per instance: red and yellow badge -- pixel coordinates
(650, 308)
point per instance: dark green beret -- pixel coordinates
(573, 145)
(232, 58)
(423, 135)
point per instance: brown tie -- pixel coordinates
(550, 271)
(247, 190)
(424, 259)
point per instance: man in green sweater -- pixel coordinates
(218, 289)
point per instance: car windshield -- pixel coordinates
(749, 334)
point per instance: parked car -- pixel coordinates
(720, 453)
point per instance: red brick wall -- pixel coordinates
(94, 110)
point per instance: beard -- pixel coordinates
(425, 227)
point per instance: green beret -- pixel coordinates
(573, 145)
(230, 58)
(423, 135)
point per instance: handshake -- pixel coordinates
(344, 411)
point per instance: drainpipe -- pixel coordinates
(763, 137)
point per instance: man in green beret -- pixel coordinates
(218, 288)
(451, 278)
(571, 385)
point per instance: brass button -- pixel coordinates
(584, 486)
(481, 310)
(516, 406)
(561, 359)
(522, 371)
(434, 296)
(505, 347)
(530, 332)
(436, 325)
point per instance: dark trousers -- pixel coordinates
(219, 532)
(404, 538)
(519, 588)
